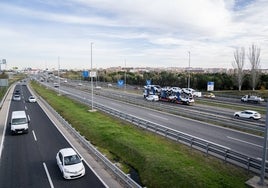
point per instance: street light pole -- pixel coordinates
(125, 76)
(59, 75)
(189, 69)
(264, 152)
(91, 76)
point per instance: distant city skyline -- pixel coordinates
(140, 33)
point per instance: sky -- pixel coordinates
(80, 34)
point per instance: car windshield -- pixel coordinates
(72, 159)
(18, 121)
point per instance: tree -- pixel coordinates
(254, 59)
(238, 65)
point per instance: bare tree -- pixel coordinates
(254, 59)
(238, 65)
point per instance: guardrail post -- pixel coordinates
(207, 148)
(178, 137)
(192, 141)
(248, 165)
(225, 155)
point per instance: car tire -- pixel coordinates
(236, 116)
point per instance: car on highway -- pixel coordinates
(152, 98)
(249, 114)
(56, 84)
(19, 122)
(32, 99)
(16, 97)
(70, 163)
(209, 95)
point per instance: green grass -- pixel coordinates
(159, 162)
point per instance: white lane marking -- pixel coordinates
(158, 116)
(48, 176)
(25, 107)
(29, 118)
(34, 135)
(244, 142)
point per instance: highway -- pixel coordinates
(248, 144)
(28, 160)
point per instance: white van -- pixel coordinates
(19, 122)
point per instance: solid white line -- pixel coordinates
(244, 142)
(34, 135)
(48, 176)
(158, 116)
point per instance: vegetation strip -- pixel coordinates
(159, 162)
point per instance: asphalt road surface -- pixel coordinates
(28, 160)
(248, 144)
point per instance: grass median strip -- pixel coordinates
(159, 161)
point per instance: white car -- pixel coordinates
(16, 97)
(70, 163)
(152, 98)
(250, 114)
(176, 89)
(188, 90)
(32, 99)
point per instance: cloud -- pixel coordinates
(151, 32)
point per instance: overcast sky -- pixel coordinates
(135, 33)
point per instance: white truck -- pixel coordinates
(251, 98)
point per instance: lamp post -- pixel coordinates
(189, 69)
(125, 76)
(263, 163)
(91, 76)
(59, 75)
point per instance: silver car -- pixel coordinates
(16, 97)
(249, 114)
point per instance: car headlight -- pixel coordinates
(67, 171)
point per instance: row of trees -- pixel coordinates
(239, 79)
(222, 81)
(239, 64)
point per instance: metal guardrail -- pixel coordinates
(199, 115)
(4, 98)
(224, 153)
(120, 175)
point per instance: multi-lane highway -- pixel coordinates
(248, 144)
(28, 160)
